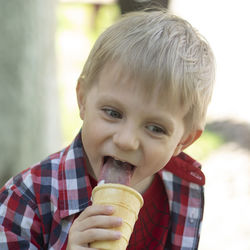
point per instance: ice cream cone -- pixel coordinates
(127, 203)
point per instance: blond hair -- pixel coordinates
(158, 48)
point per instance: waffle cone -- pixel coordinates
(127, 203)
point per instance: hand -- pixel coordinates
(93, 224)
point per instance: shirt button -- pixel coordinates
(192, 216)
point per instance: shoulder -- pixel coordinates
(19, 211)
(27, 184)
(17, 192)
(30, 203)
(26, 197)
(183, 181)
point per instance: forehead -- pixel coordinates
(119, 78)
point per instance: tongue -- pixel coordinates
(114, 171)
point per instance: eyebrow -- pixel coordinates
(164, 120)
(108, 98)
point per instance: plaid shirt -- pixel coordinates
(38, 206)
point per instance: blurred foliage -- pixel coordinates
(205, 145)
(107, 14)
(93, 21)
(78, 26)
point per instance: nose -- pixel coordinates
(126, 139)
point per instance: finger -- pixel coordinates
(85, 247)
(90, 248)
(95, 210)
(96, 234)
(98, 221)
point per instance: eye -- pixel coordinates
(156, 129)
(112, 113)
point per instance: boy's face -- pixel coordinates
(119, 122)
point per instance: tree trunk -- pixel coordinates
(29, 119)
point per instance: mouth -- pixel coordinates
(116, 171)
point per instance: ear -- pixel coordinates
(80, 97)
(187, 141)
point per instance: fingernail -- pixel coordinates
(119, 220)
(118, 235)
(110, 208)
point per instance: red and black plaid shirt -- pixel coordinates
(38, 206)
(151, 228)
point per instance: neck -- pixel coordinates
(142, 186)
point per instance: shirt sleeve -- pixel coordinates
(20, 226)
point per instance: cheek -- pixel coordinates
(90, 131)
(95, 132)
(161, 156)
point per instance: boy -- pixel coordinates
(143, 96)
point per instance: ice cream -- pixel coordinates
(113, 190)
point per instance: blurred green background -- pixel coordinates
(78, 26)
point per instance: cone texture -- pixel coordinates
(127, 203)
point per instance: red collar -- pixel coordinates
(186, 168)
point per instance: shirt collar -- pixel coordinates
(74, 184)
(186, 168)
